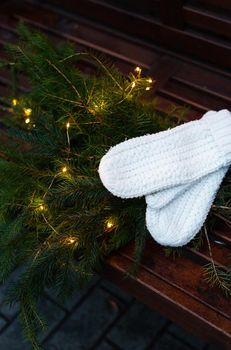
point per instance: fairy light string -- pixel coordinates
(63, 171)
(27, 112)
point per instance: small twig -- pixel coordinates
(66, 100)
(69, 143)
(221, 207)
(29, 59)
(97, 60)
(65, 77)
(52, 181)
(228, 222)
(51, 227)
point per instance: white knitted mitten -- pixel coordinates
(160, 199)
(151, 163)
(176, 223)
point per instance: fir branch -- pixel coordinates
(215, 275)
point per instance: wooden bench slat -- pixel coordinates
(189, 42)
(220, 254)
(182, 100)
(201, 88)
(151, 46)
(210, 21)
(182, 273)
(191, 94)
(223, 233)
(147, 7)
(169, 301)
(78, 32)
(211, 80)
(224, 4)
(220, 247)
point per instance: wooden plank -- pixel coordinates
(86, 35)
(146, 7)
(174, 97)
(209, 88)
(204, 78)
(154, 48)
(189, 42)
(184, 274)
(224, 4)
(221, 254)
(170, 107)
(222, 233)
(162, 70)
(171, 302)
(186, 92)
(203, 89)
(171, 13)
(205, 19)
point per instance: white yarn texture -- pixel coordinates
(178, 170)
(176, 223)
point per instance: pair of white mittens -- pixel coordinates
(179, 171)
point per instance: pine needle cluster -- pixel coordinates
(56, 217)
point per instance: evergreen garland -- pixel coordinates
(55, 215)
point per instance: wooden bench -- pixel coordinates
(185, 46)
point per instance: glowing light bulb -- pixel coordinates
(149, 80)
(133, 84)
(68, 125)
(148, 88)
(14, 102)
(109, 225)
(41, 207)
(70, 240)
(64, 169)
(27, 120)
(138, 69)
(27, 111)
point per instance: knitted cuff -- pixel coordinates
(220, 126)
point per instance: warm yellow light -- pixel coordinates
(64, 169)
(138, 69)
(67, 125)
(149, 80)
(148, 88)
(109, 225)
(14, 102)
(41, 207)
(133, 84)
(70, 240)
(27, 120)
(27, 111)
